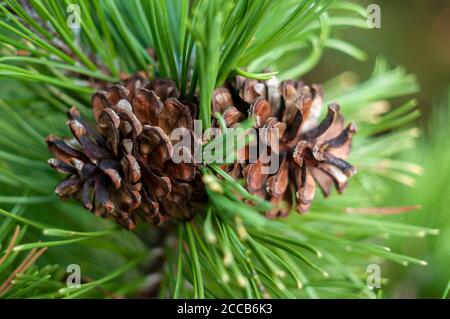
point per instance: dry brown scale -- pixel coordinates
(309, 152)
(121, 166)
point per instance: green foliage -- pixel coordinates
(431, 192)
(232, 250)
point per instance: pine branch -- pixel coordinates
(232, 250)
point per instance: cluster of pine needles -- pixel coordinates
(232, 251)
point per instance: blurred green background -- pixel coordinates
(415, 34)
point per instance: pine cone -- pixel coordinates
(308, 152)
(122, 167)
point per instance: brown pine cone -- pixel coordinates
(308, 152)
(122, 166)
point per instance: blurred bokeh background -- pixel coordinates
(415, 34)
